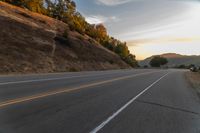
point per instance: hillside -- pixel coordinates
(175, 60)
(34, 43)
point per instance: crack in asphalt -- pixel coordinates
(169, 107)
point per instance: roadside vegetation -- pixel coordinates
(188, 67)
(65, 11)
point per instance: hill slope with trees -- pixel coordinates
(175, 60)
(53, 37)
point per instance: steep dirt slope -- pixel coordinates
(33, 43)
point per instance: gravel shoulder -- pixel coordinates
(194, 80)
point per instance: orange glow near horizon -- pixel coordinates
(182, 37)
(184, 47)
(144, 48)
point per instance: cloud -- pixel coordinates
(119, 2)
(95, 19)
(112, 2)
(98, 19)
(163, 40)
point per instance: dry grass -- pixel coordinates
(31, 18)
(27, 41)
(194, 79)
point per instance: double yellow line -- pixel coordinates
(46, 94)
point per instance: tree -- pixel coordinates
(60, 9)
(97, 32)
(21, 3)
(107, 44)
(33, 5)
(122, 50)
(101, 31)
(158, 61)
(65, 10)
(130, 59)
(79, 23)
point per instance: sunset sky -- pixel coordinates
(148, 26)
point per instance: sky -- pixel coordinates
(150, 27)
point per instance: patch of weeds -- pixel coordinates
(66, 34)
(111, 61)
(91, 41)
(72, 69)
(80, 38)
(42, 21)
(62, 40)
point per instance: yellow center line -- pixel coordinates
(46, 94)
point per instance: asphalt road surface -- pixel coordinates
(119, 101)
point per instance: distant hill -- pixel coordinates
(175, 60)
(34, 43)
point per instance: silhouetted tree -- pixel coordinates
(158, 61)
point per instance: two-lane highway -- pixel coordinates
(120, 101)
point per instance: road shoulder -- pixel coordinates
(194, 81)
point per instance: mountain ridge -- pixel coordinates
(175, 59)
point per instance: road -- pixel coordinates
(118, 101)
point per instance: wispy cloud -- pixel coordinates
(112, 2)
(163, 40)
(97, 19)
(119, 2)
(152, 26)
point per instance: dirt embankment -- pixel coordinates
(194, 79)
(33, 43)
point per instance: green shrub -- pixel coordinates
(73, 69)
(66, 34)
(80, 38)
(111, 61)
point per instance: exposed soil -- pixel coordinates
(33, 43)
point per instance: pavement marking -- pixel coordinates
(49, 79)
(98, 128)
(46, 94)
(60, 73)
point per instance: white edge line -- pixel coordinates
(29, 98)
(98, 128)
(48, 79)
(37, 80)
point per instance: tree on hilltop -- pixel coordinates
(158, 61)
